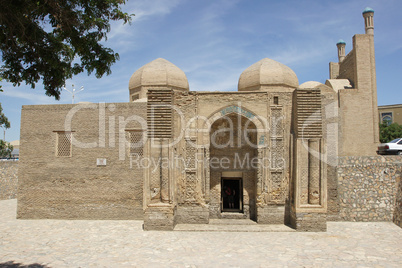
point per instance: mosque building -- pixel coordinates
(267, 152)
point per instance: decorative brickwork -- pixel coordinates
(308, 210)
(276, 190)
(136, 142)
(277, 185)
(308, 112)
(64, 143)
(190, 154)
(192, 194)
(159, 113)
(191, 186)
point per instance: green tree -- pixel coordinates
(53, 40)
(390, 132)
(5, 147)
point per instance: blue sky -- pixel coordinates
(214, 41)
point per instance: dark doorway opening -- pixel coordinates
(232, 195)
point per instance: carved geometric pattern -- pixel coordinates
(315, 175)
(64, 143)
(277, 193)
(135, 139)
(260, 168)
(304, 185)
(165, 180)
(314, 171)
(190, 154)
(276, 122)
(207, 178)
(277, 154)
(155, 182)
(191, 185)
(206, 166)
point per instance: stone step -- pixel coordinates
(233, 215)
(232, 222)
(233, 228)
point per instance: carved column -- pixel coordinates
(164, 171)
(159, 213)
(308, 210)
(314, 172)
(155, 171)
(191, 195)
(207, 173)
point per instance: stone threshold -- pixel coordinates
(231, 225)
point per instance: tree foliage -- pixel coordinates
(390, 132)
(4, 123)
(5, 147)
(56, 39)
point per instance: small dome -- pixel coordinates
(267, 72)
(159, 72)
(368, 9)
(310, 84)
(341, 42)
(317, 85)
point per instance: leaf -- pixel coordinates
(41, 39)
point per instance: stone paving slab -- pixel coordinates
(61, 243)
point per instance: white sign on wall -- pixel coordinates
(101, 161)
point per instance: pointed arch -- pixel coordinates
(261, 123)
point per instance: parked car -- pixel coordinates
(392, 147)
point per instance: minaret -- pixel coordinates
(341, 50)
(368, 14)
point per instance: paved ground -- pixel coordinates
(60, 243)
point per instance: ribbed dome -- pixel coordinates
(269, 73)
(159, 72)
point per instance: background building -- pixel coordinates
(390, 113)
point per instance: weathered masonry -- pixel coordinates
(265, 152)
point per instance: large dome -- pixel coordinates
(267, 72)
(159, 72)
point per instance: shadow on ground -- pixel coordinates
(11, 264)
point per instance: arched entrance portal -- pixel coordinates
(233, 165)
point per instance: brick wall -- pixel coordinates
(8, 179)
(367, 187)
(77, 187)
(347, 68)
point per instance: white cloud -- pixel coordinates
(145, 9)
(36, 96)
